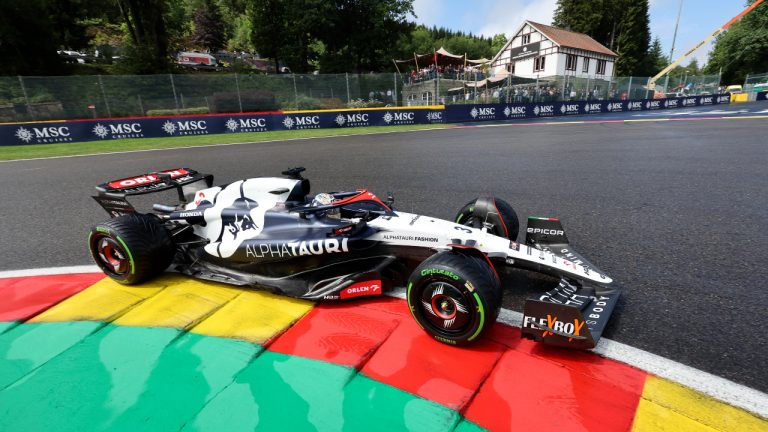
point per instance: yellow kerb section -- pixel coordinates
(181, 302)
(666, 406)
(181, 305)
(104, 301)
(254, 316)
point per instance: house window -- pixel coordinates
(601, 67)
(511, 68)
(526, 39)
(585, 65)
(570, 62)
(538, 63)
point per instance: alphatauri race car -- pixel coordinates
(272, 234)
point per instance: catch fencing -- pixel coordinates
(114, 96)
(757, 83)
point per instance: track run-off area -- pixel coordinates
(673, 208)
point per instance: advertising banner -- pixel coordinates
(357, 118)
(487, 112)
(156, 127)
(762, 96)
(138, 127)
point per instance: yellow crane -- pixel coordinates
(652, 81)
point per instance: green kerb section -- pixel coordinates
(7, 325)
(91, 376)
(281, 393)
(25, 347)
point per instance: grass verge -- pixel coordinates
(109, 146)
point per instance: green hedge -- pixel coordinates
(166, 112)
(253, 101)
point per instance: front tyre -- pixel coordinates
(454, 297)
(131, 248)
(505, 225)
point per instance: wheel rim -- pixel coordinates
(445, 306)
(111, 255)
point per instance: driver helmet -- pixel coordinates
(324, 199)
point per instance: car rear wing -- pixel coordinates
(111, 195)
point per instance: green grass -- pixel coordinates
(91, 147)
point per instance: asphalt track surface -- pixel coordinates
(674, 210)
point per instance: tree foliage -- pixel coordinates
(423, 40)
(743, 48)
(338, 36)
(360, 35)
(584, 16)
(656, 58)
(621, 25)
(26, 39)
(269, 22)
(633, 41)
(305, 35)
(147, 51)
(209, 31)
(32, 30)
(497, 42)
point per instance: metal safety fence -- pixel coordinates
(114, 96)
(102, 96)
(556, 89)
(756, 83)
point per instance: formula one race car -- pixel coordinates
(271, 233)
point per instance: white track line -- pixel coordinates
(729, 392)
(49, 271)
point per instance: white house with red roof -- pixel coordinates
(541, 51)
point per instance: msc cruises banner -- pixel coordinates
(484, 112)
(343, 119)
(762, 96)
(158, 127)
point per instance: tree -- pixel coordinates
(693, 67)
(147, 51)
(583, 16)
(633, 41)
(743, 48)
(241, 34)
(423, 40)
(209, 31)
(497, 42)
(621, 25)
(656, 58)
(27, 41)
(361, 35)
(270, 26)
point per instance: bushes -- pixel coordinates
(227, 102)
(360, 103)
(308, 103)
(167, 112)
(332, 103)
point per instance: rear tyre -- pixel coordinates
(509, 226)
(131, 248)
(454, 297)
